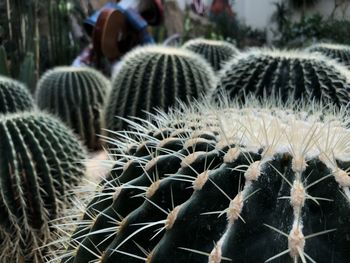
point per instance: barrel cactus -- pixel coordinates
(76, 95)
(214, 51)
(155, 77)
(289, 75)
(340, 53)
(14, 96)
(40, 162)
(225, 184)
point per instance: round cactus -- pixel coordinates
(40, 161)
(215, 52)
(155, 77)
(14, 96)
(76, 95)
(289, 75)
(237, 184)
(340, 53)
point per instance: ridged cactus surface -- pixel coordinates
(214, 51)
(227, 184)
(77, 96)
(288, 75)
(40, 162)
(155, 77)
(14, 96)
(340, 53)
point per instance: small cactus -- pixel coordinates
(215, 52)
(155, 77)
(290, 75)
(340, 53)
(246, 183)
(40, 162)
(14, 96)
(76, 95)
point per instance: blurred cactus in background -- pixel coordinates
(36, 35)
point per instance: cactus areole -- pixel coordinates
(225, 184)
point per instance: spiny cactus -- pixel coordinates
(227, 184)
(40, 161)
(76, 95)
(286, 74)
(155, 77)
(340, 53)
(14, 96)
(215, 52)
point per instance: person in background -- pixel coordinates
(116, 28)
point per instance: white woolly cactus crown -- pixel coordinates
(308, 129)
(256, 183)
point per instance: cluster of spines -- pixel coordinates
(250, 184)
(14, 97)
(214, 51)
(340, 53)
(41, 161)
(288, 75)
(155, 77)
(77, 96)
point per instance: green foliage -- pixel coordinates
(302, 3)
(77, 96)
(40, 162)
(155, 77)
(309, 29)
(233, 30)
(247, 183)
(223, 27)
(14, 96)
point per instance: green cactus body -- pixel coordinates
(40, 161)
(250, 184)
(155, 77)
(76, 95)
(289, 75)
(215, 52)
(341, 53)
(14, 97)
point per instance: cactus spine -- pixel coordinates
(40, 161)
(215, 52)
(290, 75)
(76, 95)
(14, 96)
(341, 53)
(235, 183)
(155, 77)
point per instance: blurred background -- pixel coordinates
(37, 35)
